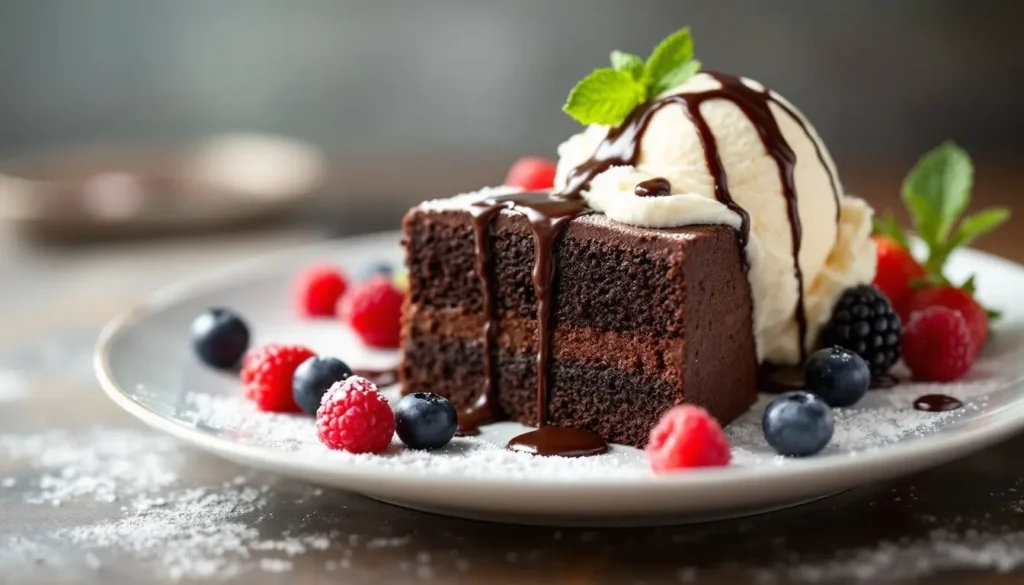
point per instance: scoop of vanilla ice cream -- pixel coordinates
(833, 255)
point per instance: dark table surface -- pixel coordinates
(87, 495)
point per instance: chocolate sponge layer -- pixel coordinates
(644, 319)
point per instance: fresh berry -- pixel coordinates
(318, 289)
(896, 273)
(687, 436)
(531, 173)
(355, 417)
(374, 311)
(425, 420)
(937, 345)
(314, 377)
(797, 424)
(837, 375)
(220, 338)
(375, 269)
(865, 323)
(960, 301)
(267, 375)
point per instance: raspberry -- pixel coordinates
(937, 345)
(317, 291)
(960, 301)
(531, 173)
(687, 436)
(355, 417)
(267, 375)
(374, 311)
(897, 271)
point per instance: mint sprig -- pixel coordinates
(605, 95)
(937, 192)
(608, 95)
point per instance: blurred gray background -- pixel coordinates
(877, 77)
(474, 84)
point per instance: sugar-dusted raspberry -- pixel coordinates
(355, 417)
(374, 311)
(960, 301)
(317, 290)
(687, 436)
(267, 373)
(937, 345)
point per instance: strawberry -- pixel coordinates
(897, 273)
(959, 300)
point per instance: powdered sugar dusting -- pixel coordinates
(130, 478)
(883, 418)
(103, 465)
(459, 201)
(483, 457)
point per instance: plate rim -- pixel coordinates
(932, 449)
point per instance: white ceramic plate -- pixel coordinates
(145, 364)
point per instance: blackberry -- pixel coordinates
(864, 322)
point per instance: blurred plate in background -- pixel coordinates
(105, 191)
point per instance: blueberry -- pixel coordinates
(838, 376)
(220, 338)
(375, 269)
(314, 377)
(797, 424)
(425, 420)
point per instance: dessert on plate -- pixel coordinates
(697, 229)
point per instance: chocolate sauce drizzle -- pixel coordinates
(937, 403)
(656, 187)
(548, 216)
(550, 213)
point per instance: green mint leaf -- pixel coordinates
(937, 191)
(670, 54)
(968, 286)
(676, 77)
(888, 226)
(993, 314)
(629, 63)
(974, 226)
(605, 97)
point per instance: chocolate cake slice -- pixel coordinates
(529, 306)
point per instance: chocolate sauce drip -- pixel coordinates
(755, 106)
(561, 441)
(817, 149)
(487, 408)
(656, 187)
(548, 216)
(379, 377)
(937, 403)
